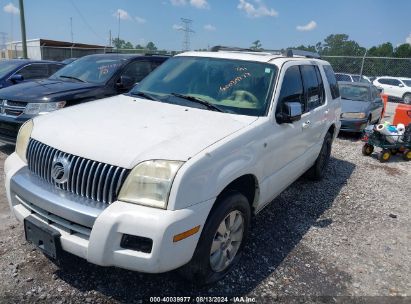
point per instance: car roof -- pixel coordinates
(264, 57)
(126, 56)
(25, 61)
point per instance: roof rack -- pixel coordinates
(286, 53)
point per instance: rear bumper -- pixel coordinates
(99, 241)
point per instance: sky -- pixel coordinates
(276, 23)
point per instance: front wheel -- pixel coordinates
(384, 155)
(367, 149)
(316, 172)
(222, 240)
(407, 98)
(406, 155)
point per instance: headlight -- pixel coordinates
(353, 115)
(23, 139)
(149, 183)
(44, 107)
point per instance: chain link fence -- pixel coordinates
(368, 66)
(371, 66)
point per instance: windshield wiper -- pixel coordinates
(71, 77)
(198, 100)
(144, 95)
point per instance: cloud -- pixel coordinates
(308, 27)
(256, 12)
(140, 20)
(209, 27)
(408, 39)
(11, 9)
(177, 27)
(196, 3)
(124, 15)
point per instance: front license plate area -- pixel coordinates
(43, 237)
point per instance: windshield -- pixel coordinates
(7, 66)
(232, 86)
(354, 92)
(407, 82)
(355, 78)
(94, 69)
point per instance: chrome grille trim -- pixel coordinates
(51, 218)
(12, 108)
(91, 179)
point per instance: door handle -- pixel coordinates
(306, 124)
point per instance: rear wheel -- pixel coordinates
(316, 172)
(367, 149)
(407, 98)
(384, 155)
(406, 154)
(221, 242)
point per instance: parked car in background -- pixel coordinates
(88, 78)
(352, 77)
(361, 105)
(14, 71)
(395, 87)
(179, 165)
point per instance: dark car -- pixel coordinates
(88, 78)
(15, 71)
(361, 105)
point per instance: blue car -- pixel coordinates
(15, 71)
(361, 105)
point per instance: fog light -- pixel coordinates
(137, 243)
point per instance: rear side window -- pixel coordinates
(395, 82)
(54, 68)
(313, 87)
(34, 71)
(332, 81)
(292, 87)
(342, 77)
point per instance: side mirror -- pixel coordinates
(291, 111)
(125, 83)
(16, 78)
(401, 85)
(381, 90)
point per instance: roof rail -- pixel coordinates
(287, 52)
(292, 53)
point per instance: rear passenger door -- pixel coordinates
(315, 113)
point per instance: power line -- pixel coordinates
(85, 21)
(186, 28)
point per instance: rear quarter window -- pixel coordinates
(332, 81)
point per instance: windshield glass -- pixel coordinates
(407, 82)
(232, 86)
(7, 66)
(354, 92)
(94, 69)
(355, 78)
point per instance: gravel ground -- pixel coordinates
(344, 239)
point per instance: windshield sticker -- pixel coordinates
(268, 70)
(237, 79)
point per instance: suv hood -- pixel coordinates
(124, 131)
(35, 91)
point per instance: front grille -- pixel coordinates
(12, 108)
(91, 179)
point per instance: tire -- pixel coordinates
(204, 268)
(316, 172)
(367, 149)
(384, 155)
(406, 155)
(407, 98)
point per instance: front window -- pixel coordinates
(232, 86)
(7, 66)
(354, 92)
(93, 69)
(407, 82)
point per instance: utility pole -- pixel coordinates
(23, 29)
(109, 38)
(118, 34)
(71, 29)
(187, 31)
(3, 39)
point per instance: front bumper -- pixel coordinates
(353, 125)
(95, 232)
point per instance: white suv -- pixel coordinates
(399, 88)
(169, 175)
